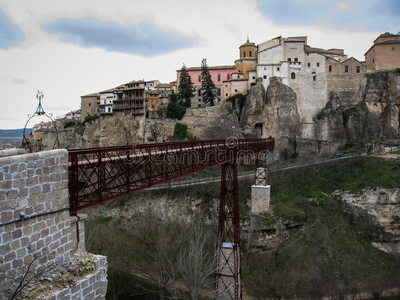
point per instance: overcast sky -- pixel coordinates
(72, 48)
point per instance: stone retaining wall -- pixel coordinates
(37, 233)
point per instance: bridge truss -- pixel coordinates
(98, 175)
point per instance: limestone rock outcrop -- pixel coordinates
(118, 130)
(375, 116)
(382, 207)
(280, 113)
(251, 118)
(330, 120)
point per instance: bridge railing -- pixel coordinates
(97, 175)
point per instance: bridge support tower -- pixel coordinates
(228, 275)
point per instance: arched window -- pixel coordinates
(250, 54)
(293, 75)
(244, 53)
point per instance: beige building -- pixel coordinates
(152, 103)
(248, 59)
(245, 75)
(384, 54)
(89, 105)
(289, 58)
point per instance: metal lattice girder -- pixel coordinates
(228, 275)
(101, 174)
(261, 176)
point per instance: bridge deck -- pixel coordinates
(101, 174)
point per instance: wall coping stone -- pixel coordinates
(11, 152)
(15, 158)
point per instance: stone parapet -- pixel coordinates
(92, 286)
(37, 234)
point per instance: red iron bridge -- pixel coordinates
(102, 174)
(97, 175)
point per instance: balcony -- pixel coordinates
(118, 106)
(105, 110)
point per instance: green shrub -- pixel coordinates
(175, 111)
(181, 133)
(89, 119)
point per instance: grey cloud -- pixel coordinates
(17, 80)
(144, 39)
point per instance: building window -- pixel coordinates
(199, 105)
(315, 78)
(218, 92)
(308, 64)
(317, 64)
(219, 77)
(277, 68)
(252, 53)
(293, 75)
(289, 59)
(228, 76)
(244, 53)
(265, 76)
(199, 78)
(235, 90)
(346, 69)
(358, 69)
(226, 94)
(199, 92)
(330, 68)
(296, 59)
(90, 104)
(254, 77)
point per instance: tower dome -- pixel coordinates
(248, 50)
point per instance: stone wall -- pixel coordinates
(349, 88)
(37, 234)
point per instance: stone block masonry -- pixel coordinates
(38, 237)
(260, 192)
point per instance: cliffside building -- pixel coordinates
(245, 75)
(218, 75)
(89, 105)
(384, 54)
(287, 57)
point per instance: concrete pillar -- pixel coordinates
(260, 192)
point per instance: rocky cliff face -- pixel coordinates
(251, 118)
(377, 207)
(280, 112)
(375, 116)
(357, 109)
(115, 130)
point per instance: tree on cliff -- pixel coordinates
(185, 88)
(174, 110)
(207, 85)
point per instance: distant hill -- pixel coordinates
(14, 133)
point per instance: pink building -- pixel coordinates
(218, 75)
